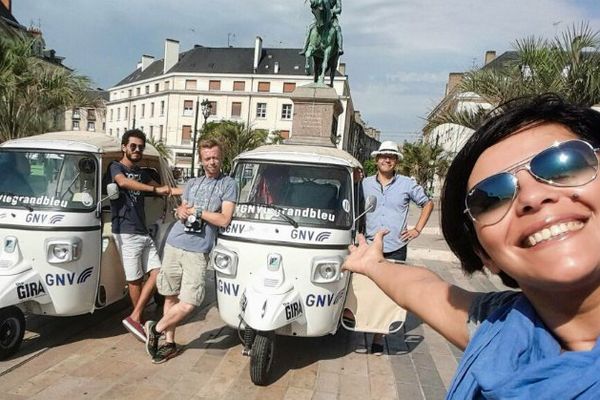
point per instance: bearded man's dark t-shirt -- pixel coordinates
(128, 210)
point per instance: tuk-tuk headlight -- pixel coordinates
(63, 250)
(326, 270)
(224, 261)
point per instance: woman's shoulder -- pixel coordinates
(487, 303)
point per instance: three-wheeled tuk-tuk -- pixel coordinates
(57, 253)
(279, 263)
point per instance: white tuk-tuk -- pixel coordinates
(57, 253)
(278, 264)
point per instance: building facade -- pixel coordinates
(91, 119)
(248, 85)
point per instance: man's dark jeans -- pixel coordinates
(397, 255)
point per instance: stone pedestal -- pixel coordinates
(316, 111)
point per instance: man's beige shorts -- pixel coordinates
(182, 274)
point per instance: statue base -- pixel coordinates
(316, 111)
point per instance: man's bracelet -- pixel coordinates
(153, 189)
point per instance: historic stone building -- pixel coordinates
(248, 85)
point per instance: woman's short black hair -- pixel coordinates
(502, 122)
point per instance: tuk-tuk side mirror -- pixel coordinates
(370, 205)
(112, 189)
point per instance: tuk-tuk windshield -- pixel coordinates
(47, 180)
(312, 195)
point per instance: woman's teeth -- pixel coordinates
(552, 231)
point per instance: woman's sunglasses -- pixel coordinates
(567, 164)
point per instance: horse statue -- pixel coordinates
(322, 47)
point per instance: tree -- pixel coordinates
(235, 137)
(423, 162)
(34, 92)
(370, 167)
(568, 65)
(161, 147)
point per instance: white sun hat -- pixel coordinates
(387, 147)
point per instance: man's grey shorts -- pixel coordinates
(138, 254)
(182, 274)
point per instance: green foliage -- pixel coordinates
(370, 167)
(34, 93)
(161, 147)
(568, 65)
(235, 138)
(423, 162)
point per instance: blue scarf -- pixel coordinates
(514, 356)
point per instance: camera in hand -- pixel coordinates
(194, 224)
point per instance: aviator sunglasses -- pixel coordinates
(133, 146)
(566, 164)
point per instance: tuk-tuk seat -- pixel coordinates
(311, 194)
(373, 310)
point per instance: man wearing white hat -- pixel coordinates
(394, 192)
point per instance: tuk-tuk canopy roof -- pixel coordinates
(92, 142)
(301, 153)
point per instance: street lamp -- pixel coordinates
(206, 109)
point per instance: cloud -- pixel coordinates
(398, 52)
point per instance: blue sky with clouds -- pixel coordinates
(398, 52)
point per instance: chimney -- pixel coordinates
(171, 54)
(146, 61)
(7, 5)
(257, 53)
(342, 68)
(454, 79)
(490, 56)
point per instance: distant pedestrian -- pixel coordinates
(208, 203)
(394, 192)
(138, 252)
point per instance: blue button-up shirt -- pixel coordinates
(392, 207)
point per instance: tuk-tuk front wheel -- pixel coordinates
(12, 330)
(261, 358)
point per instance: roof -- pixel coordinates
(92, 142)
(225, 60)
(7, 15)
(502, 60)
(301, 153)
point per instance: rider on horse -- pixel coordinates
(335, 9)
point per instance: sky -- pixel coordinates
(398, 53)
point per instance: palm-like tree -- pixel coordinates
(568, 65)
(161, 147)
(235, 137)
(423, 161)
(33, 93)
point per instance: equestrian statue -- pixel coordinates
(324, 43)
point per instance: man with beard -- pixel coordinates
(138, 252)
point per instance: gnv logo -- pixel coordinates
(69, 279)
(41, 218)
(56, 218)
(323, 236)
(84, 276)
(312, 236)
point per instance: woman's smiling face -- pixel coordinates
(550, 237)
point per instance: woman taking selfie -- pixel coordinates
(521, 200)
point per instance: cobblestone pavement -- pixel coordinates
(93, 357)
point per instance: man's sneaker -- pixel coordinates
(151, 338)
(135, 328)
(165, 352)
